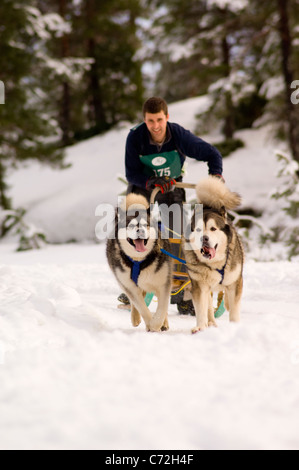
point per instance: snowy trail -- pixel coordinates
(76, 375)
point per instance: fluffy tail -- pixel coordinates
(135, 202)
(212, 192)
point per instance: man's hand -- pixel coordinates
(220, 177)
(165, 184)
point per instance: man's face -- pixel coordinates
(157, 125)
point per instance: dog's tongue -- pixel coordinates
(211, 252)
(139, 245)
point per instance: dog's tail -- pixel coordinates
(212, 192)
(135, 202)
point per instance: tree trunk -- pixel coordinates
(96, 95)
(96, 98)
(288, 73)
(5, 202)
(65, 103)
(229, 125)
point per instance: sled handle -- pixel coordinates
(177, 185)
(185, 185)
(154, 194)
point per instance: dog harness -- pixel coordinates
(136, 265)
(222, 271)
(135, 271)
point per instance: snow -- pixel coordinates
(233, 5)
(272, 88)
(42, 25)
(76, 375)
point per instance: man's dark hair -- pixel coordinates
(155, 105)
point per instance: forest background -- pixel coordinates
(73, 69)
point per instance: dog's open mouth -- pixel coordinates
(208, 251)
(139, 244)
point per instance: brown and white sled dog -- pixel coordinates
(136, 260)
(215, 256)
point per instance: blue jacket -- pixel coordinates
(187, 144)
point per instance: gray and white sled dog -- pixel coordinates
(215, 256)
(138, 264)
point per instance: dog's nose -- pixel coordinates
(140, 232)
(205, 239)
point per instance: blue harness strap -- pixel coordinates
(173, 256)
(135, 271)
(136, 265)
(222, 271)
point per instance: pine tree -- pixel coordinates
(68, 67)
(201, 44)
(273, 44)
(112, 88)
(288, 192)
(286, 29)
(28, 128)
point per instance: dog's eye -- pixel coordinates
(198, 230)
(213, 229)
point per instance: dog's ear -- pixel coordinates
(120, 216)
(223, 212)
(189, 230)
(228, 231)
(191, 227)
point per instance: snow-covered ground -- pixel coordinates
(76, 375)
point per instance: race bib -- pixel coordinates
(162, 164)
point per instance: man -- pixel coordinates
(157, 137)
(155, 154)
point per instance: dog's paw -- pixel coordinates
(155, 325)
(212, 323)
(136, 319)
(154, 329)
(165, 326)
(196, 330)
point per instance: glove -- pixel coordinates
(165, 184)
(220, 177)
